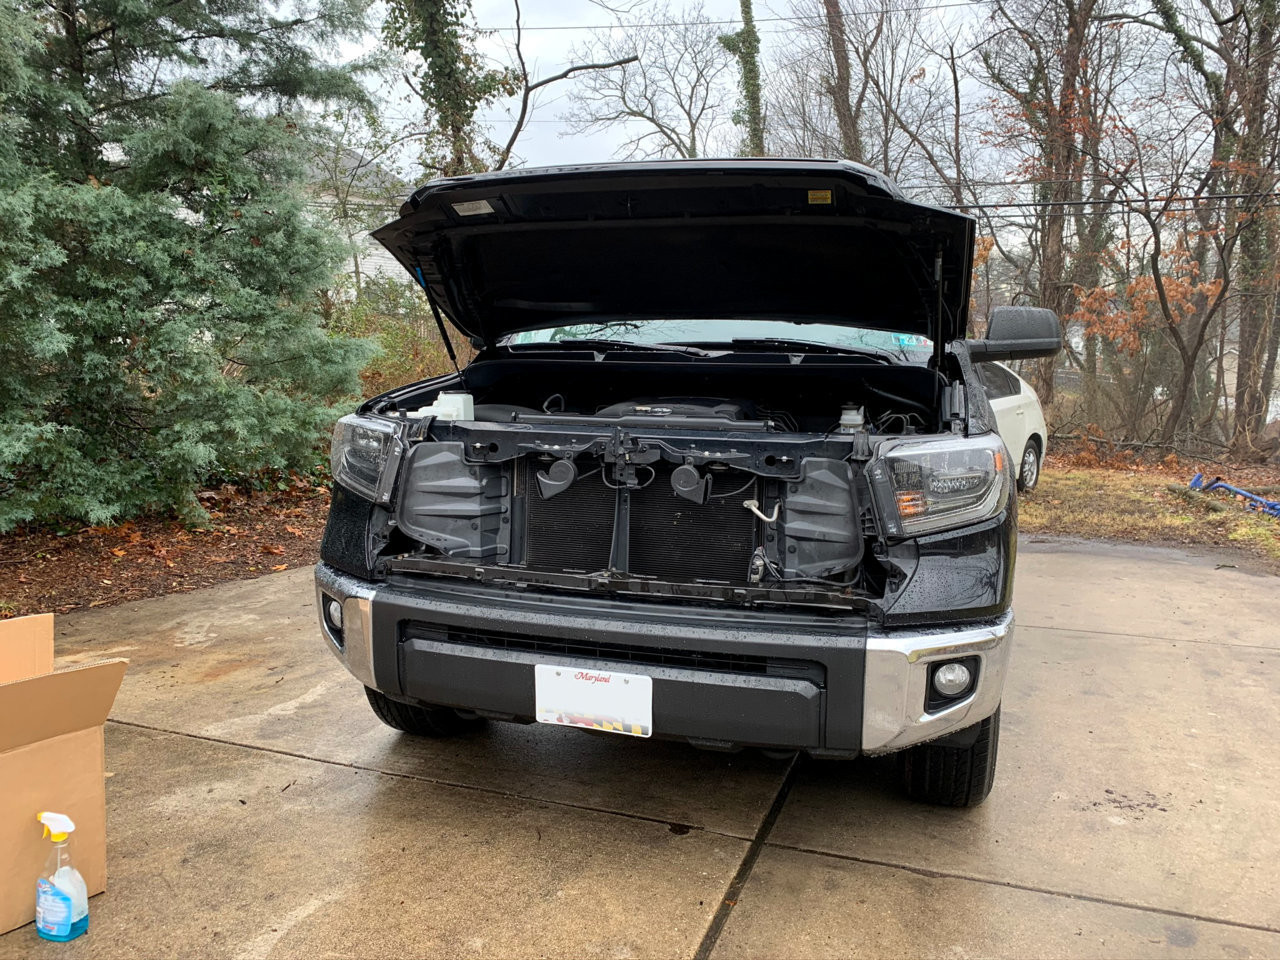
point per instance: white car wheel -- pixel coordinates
(1029, 469)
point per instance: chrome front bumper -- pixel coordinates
(354, 645)
(897, 676)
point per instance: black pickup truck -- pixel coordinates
(719, 470)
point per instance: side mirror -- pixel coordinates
(1018, 333)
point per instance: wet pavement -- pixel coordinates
(257, 808)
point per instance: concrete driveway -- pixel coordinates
(258, 809)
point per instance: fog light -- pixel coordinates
(952, 679)
(334, 610)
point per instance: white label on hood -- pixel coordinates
(471, 208)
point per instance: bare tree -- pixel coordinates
(910, 113)
(1041, 76)
(672, 98)
(454, 82)
(530, 87)
(802, 118)
(870, 80)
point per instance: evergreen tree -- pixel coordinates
(159, 268)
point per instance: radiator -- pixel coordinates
(671, 538)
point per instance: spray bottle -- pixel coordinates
(62, 899)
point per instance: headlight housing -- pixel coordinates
(922, 486)
(364, 455)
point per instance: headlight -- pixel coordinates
(926, 485)
(364, 455)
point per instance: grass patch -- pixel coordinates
(1145, 507)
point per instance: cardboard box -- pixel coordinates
(50, 759)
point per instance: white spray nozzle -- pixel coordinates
(56, 825)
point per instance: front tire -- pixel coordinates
(948, 776)
(1029, 468)
(421, 721)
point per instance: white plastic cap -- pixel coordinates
(58, 824)
(851, 419)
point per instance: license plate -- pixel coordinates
(596, 699)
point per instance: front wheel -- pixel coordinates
(1029, 469)
(422, 721)
(953, 776)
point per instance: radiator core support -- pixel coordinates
(564, 514)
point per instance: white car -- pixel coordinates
(1019, 419)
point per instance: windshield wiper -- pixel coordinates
(811, 346)
(596, 344)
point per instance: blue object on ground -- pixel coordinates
(1251, 500)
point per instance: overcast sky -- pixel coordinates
(552, 29)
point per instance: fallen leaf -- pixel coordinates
(294, 530)
(117, 552)
(279, 566)
(272, 548)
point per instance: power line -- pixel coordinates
(1127, 204)
(1123, 206)
(816, 19)
(1116, 213)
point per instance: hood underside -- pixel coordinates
(806, 240)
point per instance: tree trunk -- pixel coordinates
(86, 153)
(1255, 336)
(850, 138)
(1063, 163)
(1257, 237)
(459, 147)
(1178, 402)
(1269, 372)
(355, 265)
(1090, 377)
(749, 63)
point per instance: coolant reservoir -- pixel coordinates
(449, 406)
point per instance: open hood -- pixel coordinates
(810, 240)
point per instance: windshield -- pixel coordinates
(907, 347)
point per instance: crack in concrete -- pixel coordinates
(1029, 888)
(758, 841)
(1148, 636)
(740, 877)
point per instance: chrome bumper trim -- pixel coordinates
(355, 647)
(897, 674)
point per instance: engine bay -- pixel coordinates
(749, 483)
(796, 394)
